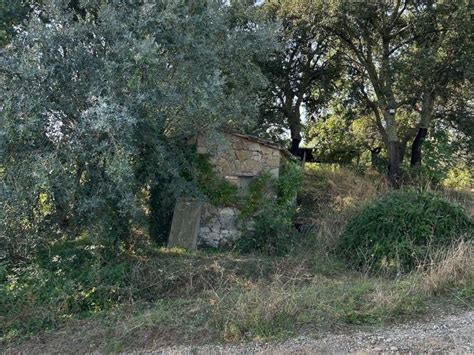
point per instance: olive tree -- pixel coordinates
(96, 110)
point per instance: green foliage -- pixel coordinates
(70, 279)
(445, 150)
(288, 183)
(402, 230)
(96, 108)
(446, 158)
(421, 177)
(12, 13)
(432, 45)
(301, 71)
(234, 297)
(219, 191)
(335, 141)
(460, 178)
(267, 209)
(270, 206)
(261, 192)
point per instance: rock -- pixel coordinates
(219, 227)
(227, 211)
(254, 147)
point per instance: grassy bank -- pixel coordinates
(206, 298)
(159, 297)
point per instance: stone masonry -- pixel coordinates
(242, 155)
(237, 159)
(219, 226)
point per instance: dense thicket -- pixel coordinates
(96, 108)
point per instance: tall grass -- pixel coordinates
(330, 196)
(452, 270)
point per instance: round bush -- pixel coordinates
(401, 230)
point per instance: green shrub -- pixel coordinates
(271, 205)
(69, 279)
(459, 178)
(35, 298)
(402, 230)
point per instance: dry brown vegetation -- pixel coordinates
(451, 269)
(331, 195)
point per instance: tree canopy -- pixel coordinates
(403, 60)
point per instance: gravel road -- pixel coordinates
(449, 334)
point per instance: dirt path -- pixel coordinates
(450, 334)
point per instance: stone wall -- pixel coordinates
(237, 158)
(218, 226)
(240, 156)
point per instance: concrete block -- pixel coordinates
(186, 224)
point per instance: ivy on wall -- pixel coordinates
(267, 210)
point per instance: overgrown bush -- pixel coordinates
(402, 230)
(271, 205)
(69, 280)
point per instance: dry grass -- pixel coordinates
(451, 269)
(337, 191)
(331, 195)
(464, 198)
(230, 298)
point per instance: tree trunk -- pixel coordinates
(402, 147)
(425, 120)
(295, 129)
(295, 146)
(394, 164)
(393, 148)
(416, 146)
(374, 156)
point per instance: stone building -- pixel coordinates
(237, 158)
(240, 157)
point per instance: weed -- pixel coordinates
(452, 269)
